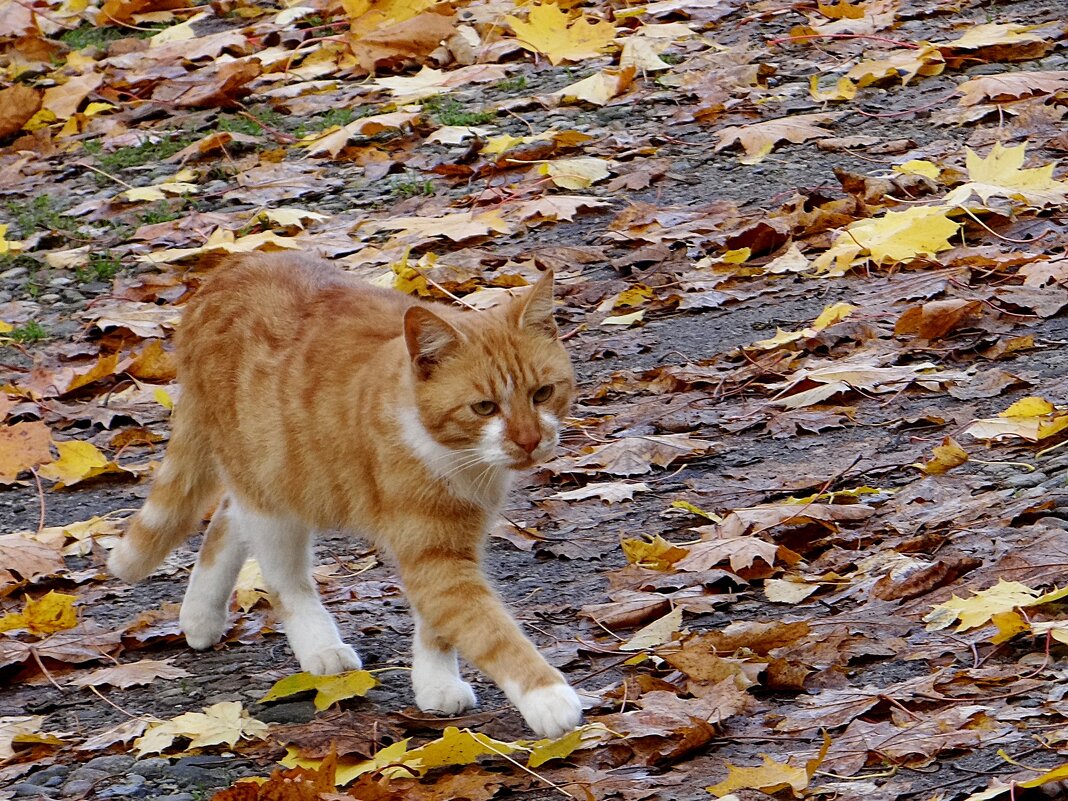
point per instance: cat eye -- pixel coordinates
(484, 408)
(542, 394)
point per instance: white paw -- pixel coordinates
(127, 564)
(551, 711)
(202, 627)
(446, 696)
(331, 660)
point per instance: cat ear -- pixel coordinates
(428, 338)
(536, 309)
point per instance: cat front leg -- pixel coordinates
(452, 598)
(436, 674)
(283, 548)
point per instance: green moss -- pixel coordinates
(32, 331)
(513, 84)
(450, 111)
(40, 214)
(136, 156)
(403, 189)
(99, 267)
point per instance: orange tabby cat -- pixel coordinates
(313, 401)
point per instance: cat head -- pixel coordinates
(494, 384)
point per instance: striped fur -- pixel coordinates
(311, 401)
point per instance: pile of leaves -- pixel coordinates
(812, 270)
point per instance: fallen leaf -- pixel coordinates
(131, 674)
(22, 447)
(550, 31)
(758, 139)
(43, 616)
(328, 689)
(78, 461)
(607, 491)
(224, 722)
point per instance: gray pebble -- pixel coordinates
(48, 297)
(192, 774)
(130, 786)
(1021, 480)
(293, 712)
(14, 272)
(151, 767)
(112, 763)
(53, 770)
(73, 296)
(78, 787)
(29, 790)
(176, 797)
(60, 280)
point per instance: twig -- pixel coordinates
(40, 664)
(1000, 236)
(41, 498)
(105, 174)
(806, 36)
(913, 110)
(112, 704)
(523, 767)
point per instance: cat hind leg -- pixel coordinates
(206, 607)
(283, 548)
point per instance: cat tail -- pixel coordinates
(186, 485)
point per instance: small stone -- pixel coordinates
(14, 272)
(112, 763)
(60, 280)
(73, 296)
(176, 797)
(129, 787)
(151, 767)
(1021, 480)
(78, 787)
(293, 712)
(48, 297)
(29, 790)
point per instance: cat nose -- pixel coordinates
(528, 440)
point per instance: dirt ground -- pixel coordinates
(1004, 513)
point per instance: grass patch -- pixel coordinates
(32, 331)
(94, 36)
(138, 155)
(39, 215)
(513, 84)
(240, 123)
(403, 189)
(99, 267)
(160, 213)
(450, 111)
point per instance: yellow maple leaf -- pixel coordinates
(770, 777)
(656, 554)
(1001, 174)
(543, 751)
(43, 616)
(578, 173)
(944, 458)
(905, 63)
(78, 461)
(1031, 418)
(550, 31)
(918, 167)
(25, 729)
(978, 610)
(896, 236)
(8, 245)
(328, 689)
(660, 631)
(834, 313)
(600, 87)
(225, 722)
(250, 587)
